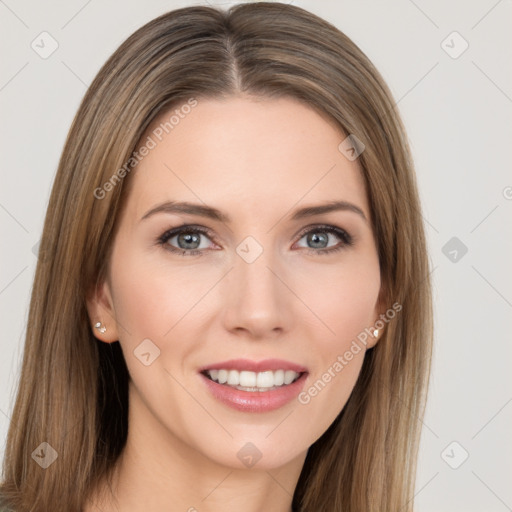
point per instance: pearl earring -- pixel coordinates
(100, 327)
(375, 333)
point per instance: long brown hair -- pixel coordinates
(73, 389)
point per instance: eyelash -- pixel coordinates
(346, 238)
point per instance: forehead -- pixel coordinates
(252, 153)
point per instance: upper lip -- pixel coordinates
(255, 366)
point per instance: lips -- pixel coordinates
(254, 401)
(254, 386)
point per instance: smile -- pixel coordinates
(250, 386)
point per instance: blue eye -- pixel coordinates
(188, 238)
(325, 231)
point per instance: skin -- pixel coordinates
(257, 160)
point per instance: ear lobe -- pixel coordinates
(101, 312)
(374, 337)
(378, 327)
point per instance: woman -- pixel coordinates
(281, 362)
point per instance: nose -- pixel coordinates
(258, 301)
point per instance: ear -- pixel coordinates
(379, 322)
(100, 307)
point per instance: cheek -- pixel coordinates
(345, 305)
(151, 297)
(326, 393)
(154, 302)
(158, 302)
(348, 308)
(342, 298)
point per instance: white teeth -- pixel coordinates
(247, 379)
(279, 378)
(233, 378)
(252, 380)
(289, 376)
(265, 380)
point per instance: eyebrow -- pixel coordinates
(215, 214)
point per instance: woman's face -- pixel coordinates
(251, 275)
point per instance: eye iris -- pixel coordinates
(188, 238)
(315, 239)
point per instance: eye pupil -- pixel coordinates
(315, 239)
(188, 238)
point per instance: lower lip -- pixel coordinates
(255, 401)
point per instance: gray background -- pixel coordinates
(457, 109)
